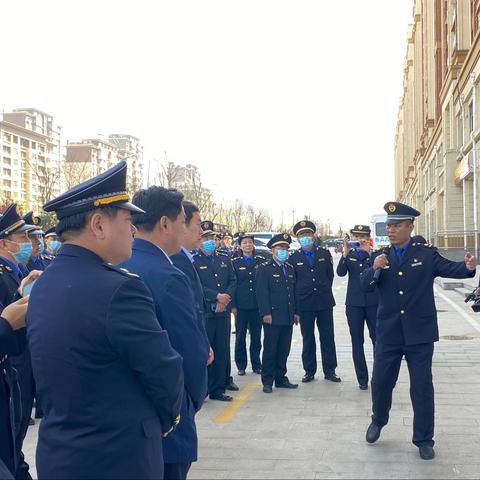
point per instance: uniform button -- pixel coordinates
(313, 279)
(314, 289)
(251, 289)
(251, 281)
(249, 273)
(400, 273)
(311, 270)
(218, 284)
(361, 264)
(216, 275)
(401, 292)
(402, 311)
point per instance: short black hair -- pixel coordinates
(157, 202)
(76, 223)
(190, 208)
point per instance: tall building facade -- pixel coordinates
(31, 155)
(437, 133)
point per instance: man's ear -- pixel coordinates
(97, 225)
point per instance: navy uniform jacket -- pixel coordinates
(108, 381)
(276, 292)
(11, 343)
(313, 288)
(245, 294)
(176, 311)
(354, 264)
(217, 276)
(183, 263)
(36, 263)
(9, 283)
(406, 311)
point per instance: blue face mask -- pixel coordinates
(306, 241)
(209, 246)
(282, 255)
(24, 253)
(41, 246)
(54, 245)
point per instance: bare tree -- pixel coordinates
(76, 172)
(170, 175)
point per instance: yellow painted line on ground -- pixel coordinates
(229, 412)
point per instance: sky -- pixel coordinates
(288, 105)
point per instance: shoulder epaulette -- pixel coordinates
(123, 271)
(224, 254)
(418, 244)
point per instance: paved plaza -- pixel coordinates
(318, 431)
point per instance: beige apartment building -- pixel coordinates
(437, 134)
(89, 157)
(30, 158)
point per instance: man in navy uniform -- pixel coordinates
(15, 251)
(218, 280)
(276, 304)
(13, 341)
(313, 294)
(160, 233)
(108, 380)
(52, 245)
(245, 304)
(407, 321)
(361, 307)
(35, 235)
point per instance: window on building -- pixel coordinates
(470, 117)
(7, 137)
(7, 161)
(7, 183)
(34, 145)
(7, 172)
(15, 139)
(6, 150)
(24, 143)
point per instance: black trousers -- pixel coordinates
(277, 340)
(23, 365)
(248, 319)
(385, 374)
(324, 319)
(357, 317)
(176, 471)
(218, 332)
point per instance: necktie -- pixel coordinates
(248, 260)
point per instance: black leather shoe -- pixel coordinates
(426, 452)
(333, 378)
(363, 386)
(308, 377)
(286, 384)
(257, 370)
(373, 433)
(221, 397)
(267, 389)
(232, 387)
(241, 372)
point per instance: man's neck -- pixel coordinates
(402, 245)
(158, 242)
(6, 254)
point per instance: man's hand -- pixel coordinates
(470, 261)
(15, 313)
(345, 247)
(267, 319)
(380, 262)
(211, 356)
(224, 298)
(235, 312)
(31, 277)
(296, 319)
(220, 308)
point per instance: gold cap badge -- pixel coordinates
(392, 208)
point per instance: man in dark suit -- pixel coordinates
(108, 380)
(183, 260)
(407, 321)
(218, 280)
(15, 251)
(313, 293)
(361, 307)
(275, 288)
(160, 233)
(13, 341)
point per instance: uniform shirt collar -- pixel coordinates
(187, 254)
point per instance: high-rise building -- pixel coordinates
(131, 150)
(30, 158)
(437, 134)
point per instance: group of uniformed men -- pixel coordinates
(119, 360)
